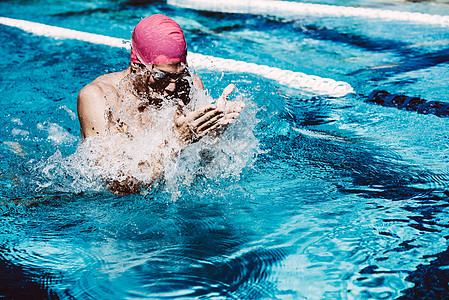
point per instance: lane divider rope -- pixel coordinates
(297, 80)
(63, 33)
(295, 9)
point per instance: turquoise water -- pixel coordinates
(317, 198)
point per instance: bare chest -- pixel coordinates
(128, 115)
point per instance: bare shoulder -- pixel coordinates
(97, 89)
(92, 104)
(92, 97)
(97, 93)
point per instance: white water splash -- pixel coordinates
(116, 157)
(56, 133)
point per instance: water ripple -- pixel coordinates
(186, 272)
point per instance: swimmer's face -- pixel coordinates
(170, 80)
(165, 78)
(165, 75)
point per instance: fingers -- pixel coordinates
(197, 123)
(218, 119)
(182, 118)
(227, 91)
(203, 114)
(234, 106)
(216, 123)
(229, 118)
(179, 119)
(207, 117)
(210, 129)
(194, 115)
(213, 117)
(221, 101)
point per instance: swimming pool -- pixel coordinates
(313, 196)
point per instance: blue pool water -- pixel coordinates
(310, 197)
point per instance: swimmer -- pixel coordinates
(158, 73)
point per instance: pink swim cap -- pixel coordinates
(158, 40)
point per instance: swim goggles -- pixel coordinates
(166, 77)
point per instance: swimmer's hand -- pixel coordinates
(221, 101)
(230, 108)
(192, 126)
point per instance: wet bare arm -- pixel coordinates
(91, 107)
